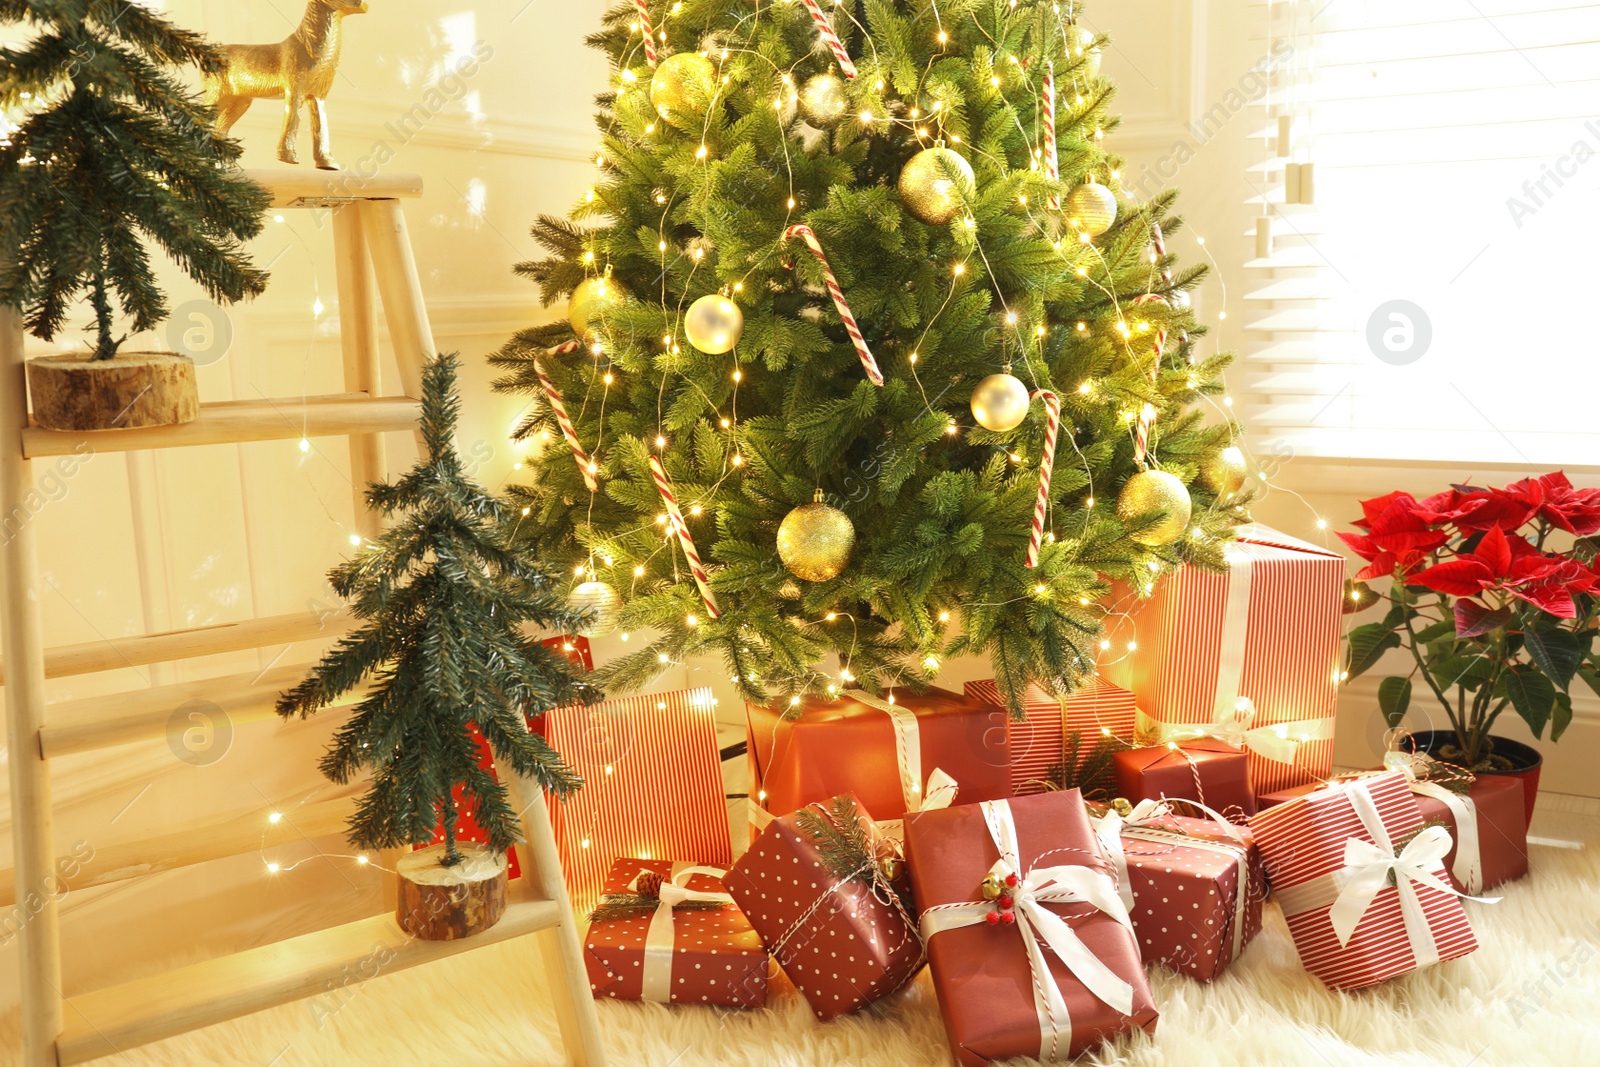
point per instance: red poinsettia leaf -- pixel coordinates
(1458, 577)
(1381, 567)
(1494, 552)
(1474, 617)
(1554, 480)
(1360, 544)
(1550, 598)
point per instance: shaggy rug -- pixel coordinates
(1527, 998)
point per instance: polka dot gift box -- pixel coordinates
(1193, 887)
(687, 944)
(845, 938)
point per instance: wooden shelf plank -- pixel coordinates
(234, 421)
(290, 186)
(185, 848)
(151, 1009)
(94, 656)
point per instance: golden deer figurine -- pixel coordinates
(299, 71)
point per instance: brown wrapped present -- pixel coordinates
(911, 752)
(1031, 948)
(1193, 887)
(667, 932)
(1487, 828)
(1212, 772)
(819, 887)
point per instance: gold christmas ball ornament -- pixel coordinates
(589, 301)
(823, 101)
(1155, 491)
(1091, 208)
(714, 324)
(1000, 402)
(1224, 472)
(683, 85)
(815, 541)
(935, 184)
(601, 602)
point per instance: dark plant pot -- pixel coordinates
(1525, 759)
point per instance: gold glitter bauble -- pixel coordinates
(823, 101)
(1091, 66)
(815, 541)
(1224, 472)
(592, 297)
(1000, 403)
(934, 185)
(1155, 491)
(714, 324)
(1091, 208)
(683, 85)
(601, 602)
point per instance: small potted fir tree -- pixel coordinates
(445, 604)
(112, 151)
(1492, 614)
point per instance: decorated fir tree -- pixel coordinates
(447, 605)
(840, 265)
(113, 149)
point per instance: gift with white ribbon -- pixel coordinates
(661, 937)
(1235, 726)
(1162, 834)
(1058, 959)
(1468, 865)
(939, 791)
(1334, 865)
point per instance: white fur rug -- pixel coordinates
(1527, 998)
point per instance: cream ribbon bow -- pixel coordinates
(1234, 728)
(1145, 821)
(1468, 867)
(940, 789)
(659, 939)
(1042, 928)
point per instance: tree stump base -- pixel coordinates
(136, 389)
(439, 903)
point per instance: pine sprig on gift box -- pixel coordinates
(615, 906)
(1091, 775)
(849, 849)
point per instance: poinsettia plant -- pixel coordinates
(1493, 614)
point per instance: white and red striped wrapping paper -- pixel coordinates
(1268, 630)
(1304, 839)
(652, 786)
(1038, 743)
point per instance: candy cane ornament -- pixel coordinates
(675, 516)
(1052, 159)
(1047, 465)
(558, 407)
(643, 7)
(831, 39)
(868, 363)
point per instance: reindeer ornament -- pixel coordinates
(299, 71)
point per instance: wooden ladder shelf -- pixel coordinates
(375, 268)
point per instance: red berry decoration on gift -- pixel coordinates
(1011, 881)
(1005, 902)
(1008, 917)
(993, 918)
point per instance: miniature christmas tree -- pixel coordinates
(113, 149)
(857, 287)
(445, 601)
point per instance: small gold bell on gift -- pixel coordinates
(1121, 806)
(889, 866)
(992, 886)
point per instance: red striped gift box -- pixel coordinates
(1303, 843)
(652, 786)
(1037, 743)
(1267, 630)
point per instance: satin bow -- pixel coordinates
(1269, 742)
(1368, 868)
(656, 983)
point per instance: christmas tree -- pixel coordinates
(836, 257)
(112, 149)
(445, 601)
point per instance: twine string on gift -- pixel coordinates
(1041, 929)
(558, 408)
(840, 304)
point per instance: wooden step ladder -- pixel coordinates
(375, 265)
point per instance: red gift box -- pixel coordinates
(652, 786)
(1004, 992)
(1488, 832)
(676, 955)
(1212, 772)
(843, 941)
(1362, 882)
(894, 757)
(1266, 631)
(1038, 743)
(1193, 887)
